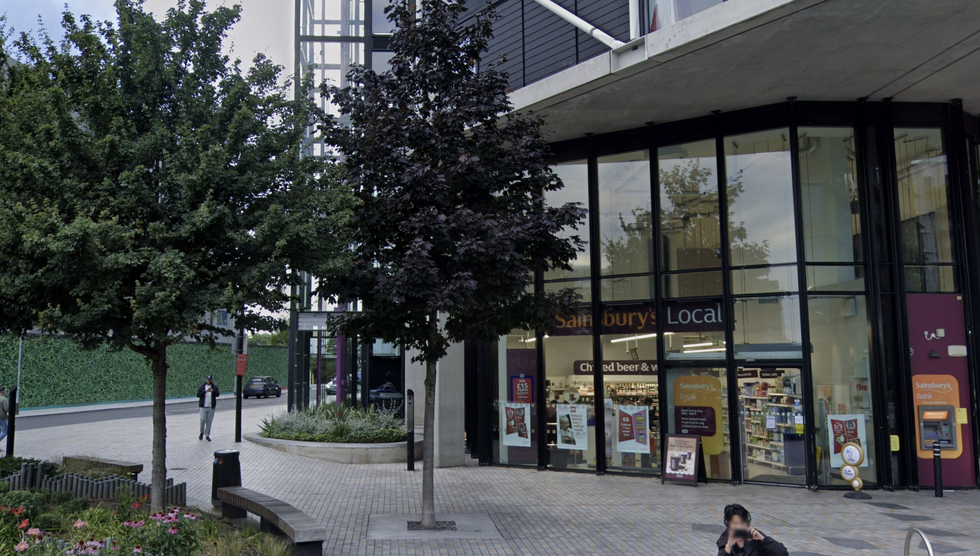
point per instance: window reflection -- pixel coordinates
(575, 176)
(625, 220)
(828, 180)
(768, 328)
(690, 223)
(759, 192)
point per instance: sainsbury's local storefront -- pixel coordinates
(778, 281)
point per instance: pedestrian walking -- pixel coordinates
(207, 397)
(743, 539)
(4, 408)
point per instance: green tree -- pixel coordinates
(279, 338)
(147, 180)
(452, 222)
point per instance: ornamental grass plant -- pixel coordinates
(332, 423)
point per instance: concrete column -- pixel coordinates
(450, 405)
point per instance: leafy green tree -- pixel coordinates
(452, 223)
(147, 180)
(279, 338)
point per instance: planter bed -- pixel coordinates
(382, 452)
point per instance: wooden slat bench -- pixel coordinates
(121, 467)
(275, 516)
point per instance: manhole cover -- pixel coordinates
(440, 526)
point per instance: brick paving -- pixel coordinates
(536, 512)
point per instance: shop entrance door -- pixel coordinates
(771, 425)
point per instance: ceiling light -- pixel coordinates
(618, 340)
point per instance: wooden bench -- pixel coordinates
(115, 466)
(275, 516)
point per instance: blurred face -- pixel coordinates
(736, 522)
(208, 381)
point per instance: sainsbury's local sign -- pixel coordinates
(639, 318)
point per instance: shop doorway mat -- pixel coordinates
(396, 526)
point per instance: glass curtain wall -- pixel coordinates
(927, 237)
(515, 408)
(631, 397)
(762, 246)
(568, 349)
(837, 305)
(690, 254)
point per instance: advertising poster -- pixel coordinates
(697, 410)
(573, 432)
(517, 424)
(633, 429)
(681, 459)
(844, 429)
(522, 389)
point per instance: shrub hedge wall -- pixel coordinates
(57, 371)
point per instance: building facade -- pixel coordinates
(782, 241)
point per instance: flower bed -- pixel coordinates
(330, 423)
(40, 524)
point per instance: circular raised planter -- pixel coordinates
(382, 452)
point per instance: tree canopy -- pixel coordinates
(148, 179)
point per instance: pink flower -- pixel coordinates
(79, 524)
(22, 546)
(34, 532)
(138, 550)
(191, 517)
(172, 531)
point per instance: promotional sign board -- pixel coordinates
(697, 410)
(633, 429)
(681, 459)
(516, 424)
(573, 432)
(617, 368)
(844, 430)
(522, 389)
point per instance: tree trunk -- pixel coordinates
(158, 475)
(428, 439)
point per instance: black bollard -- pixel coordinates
(937, 467)
(410, 428)
(11, 421)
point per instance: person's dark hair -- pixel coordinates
(733, 510)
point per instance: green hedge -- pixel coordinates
(57, 371)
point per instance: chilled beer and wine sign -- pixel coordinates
(639, 318)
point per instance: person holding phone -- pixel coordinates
(207, 394)
(743, 539)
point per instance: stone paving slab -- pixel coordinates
(551, 512)
(395, 526)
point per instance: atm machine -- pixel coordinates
(937, 423)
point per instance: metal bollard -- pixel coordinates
(410, 428)
(937, 467)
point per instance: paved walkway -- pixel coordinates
(536, 512)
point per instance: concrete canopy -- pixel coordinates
(746, 53)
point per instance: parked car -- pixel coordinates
(262, 387)
(331, 386)
(387, 393)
